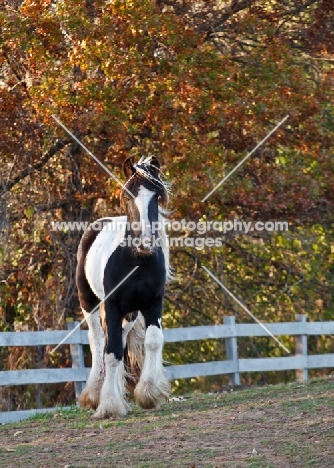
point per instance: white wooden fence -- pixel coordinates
(229, 331)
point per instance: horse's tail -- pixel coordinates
(134, 352)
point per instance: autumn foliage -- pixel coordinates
(198, 84)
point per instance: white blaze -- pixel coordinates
(142, 202)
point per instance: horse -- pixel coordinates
(125, 333)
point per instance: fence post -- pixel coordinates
(231, 347)
(78, 361)
(301, 350)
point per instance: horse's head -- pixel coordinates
(141, 195)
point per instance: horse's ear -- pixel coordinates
(154, 162)
(128, 168)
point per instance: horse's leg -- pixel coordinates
(112, 397)
(133, 342)
(88, 301)
(153, 385)
(91, 395)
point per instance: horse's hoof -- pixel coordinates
(86, 401)
(90, 397)
(98, 416)
(149, 396)
(113, 410)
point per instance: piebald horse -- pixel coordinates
(125, 335)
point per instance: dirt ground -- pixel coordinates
(276, 426)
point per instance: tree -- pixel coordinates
(198, 85)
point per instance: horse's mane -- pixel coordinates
(146, 161)
(146, 174)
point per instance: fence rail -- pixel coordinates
(229, 331)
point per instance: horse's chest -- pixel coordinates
(143, 287)
(108, 264)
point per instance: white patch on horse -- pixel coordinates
(142, 202)
(112, 398)
(126, 328)
(103, 247)
(153, 385)
(91, 393)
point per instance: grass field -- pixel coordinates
(279, 426)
